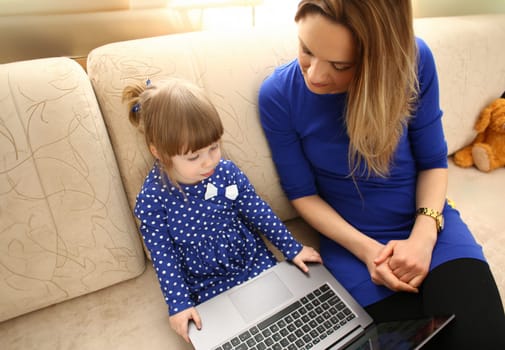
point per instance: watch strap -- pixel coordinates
(435, 214)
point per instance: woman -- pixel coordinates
(354, 126)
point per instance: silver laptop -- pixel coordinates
(284, 308)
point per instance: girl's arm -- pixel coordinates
(152, 213)
(260, 217)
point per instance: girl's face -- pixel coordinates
(193, 167)
(326, 54)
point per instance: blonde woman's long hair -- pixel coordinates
(381, 97)
(175, 116)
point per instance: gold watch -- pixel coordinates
(439, 218)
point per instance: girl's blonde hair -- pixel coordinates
(175, 116)
(382, 94)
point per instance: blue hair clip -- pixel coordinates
(136, 107)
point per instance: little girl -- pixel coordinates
(200, 217)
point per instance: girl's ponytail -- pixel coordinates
(131, 95)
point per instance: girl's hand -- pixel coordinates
(307, 254)
(179, 322)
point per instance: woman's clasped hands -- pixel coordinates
(401, 265)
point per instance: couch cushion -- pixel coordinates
(65, 224)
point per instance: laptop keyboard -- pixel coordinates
(301, 325)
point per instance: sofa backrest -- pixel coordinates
(230, 67)
(66, 228)
(470, 59)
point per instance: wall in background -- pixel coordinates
(41, 7)
(44, 28)
(272, 12)
(438, 8)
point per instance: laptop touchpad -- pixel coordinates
(260, 296)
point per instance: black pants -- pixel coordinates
(464, 287)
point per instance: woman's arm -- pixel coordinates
(321, 216)
(431, 193)
(410, 259)
(328, 222)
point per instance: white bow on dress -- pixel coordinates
(230, 192)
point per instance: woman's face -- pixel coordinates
(326, 54)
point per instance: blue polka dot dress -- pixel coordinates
(204, 239)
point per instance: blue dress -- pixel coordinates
(204, 240)
(307, 136)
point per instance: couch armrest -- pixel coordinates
(65, 224)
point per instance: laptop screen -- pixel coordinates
(400, 335)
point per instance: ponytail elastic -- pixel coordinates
(136, 107)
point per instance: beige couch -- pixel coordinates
(73, 274)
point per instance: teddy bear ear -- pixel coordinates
(503, 95)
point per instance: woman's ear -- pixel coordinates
(154, 152)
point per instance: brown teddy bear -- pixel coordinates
(487, 150)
